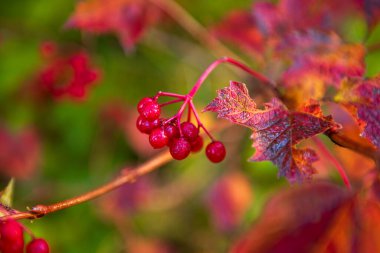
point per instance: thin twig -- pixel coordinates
(356, 146)
(126, 177)
(193, 27)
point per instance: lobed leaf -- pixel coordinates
(276, 130)
(362, 97)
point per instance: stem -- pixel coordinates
(322, 147)
(171, 102)
(235, 63)
(126, 177)
(200, 125)
(356, 146)
(193, 27)
(169, 94)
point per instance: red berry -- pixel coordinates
(157, 138)
(189, 131)
(143, 102)
(179, 148)
(11, 230)
(12, 247)
(151, 111)
(11, 237)
(171, 131)
(143, 125)
(215, 151)
(197, 144)
(37, 246)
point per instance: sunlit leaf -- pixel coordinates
(276, 130)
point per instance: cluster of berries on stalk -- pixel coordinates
(12, 239)
(181, 137)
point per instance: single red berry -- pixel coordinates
(171, 131)
(179, 148)
(156, 123)
(12, 247)
(189, 131)
(37, 246)
(215, 151)
(157, 138)
(11, 237)
(143, 102)
(143, 125)
(197, 144)
(151, 111)
(10, 231)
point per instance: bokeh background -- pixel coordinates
(82, 142)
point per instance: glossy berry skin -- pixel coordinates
(143, 125)
(215, 151)
(11, 230)
(143, 102)
(11, 237)
(189, 131)
(179, 148)
(37, 246)
(197, 144)
(151, 111)
(171, 131)
(158, 138)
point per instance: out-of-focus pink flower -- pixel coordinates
(68, 76)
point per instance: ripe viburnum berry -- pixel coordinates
(180, 148)
(215, 151)
(143, 102)
(171, 131)
(151, 111)
(11, 237)
(189, 131)
(143, 125)
(37, 246)
(197, 144)
(158, 138)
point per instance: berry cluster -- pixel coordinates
(181, 137)
(12, 239)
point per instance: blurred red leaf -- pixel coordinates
(19, 153)
(276, 130)
(315, 218)
(127, 18)
(229, 199)
(362, 98)
(310, 218)
(318, 60)
(239, 27)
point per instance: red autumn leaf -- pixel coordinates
(318, 60)
(297, 15)
(239, 27)
(324, 55)
(363, 101)
(128, 19)
(316, 218)
(276, 130)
